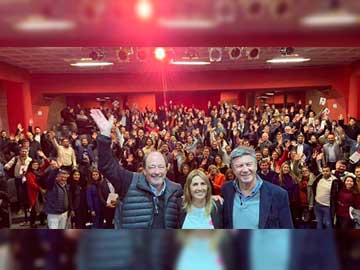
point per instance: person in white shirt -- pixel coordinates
(325, 189)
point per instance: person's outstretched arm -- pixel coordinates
(108, 165)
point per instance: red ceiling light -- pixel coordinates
(142, 54)
(122, 55)
(144, 9)
(160, 53)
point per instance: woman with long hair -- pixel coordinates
(77, 198)
(35, 191)
(288, 181)
(220, 164)
(93, 199)
(229, 175)
(347, 197)
(149, 146)
(199, 210)
(279, 156)
(139, 158)
(191, 161)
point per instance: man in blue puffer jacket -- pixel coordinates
(57, 202)
(147, 200)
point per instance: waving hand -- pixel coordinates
(103, 124)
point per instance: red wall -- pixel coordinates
(18, 104)
(189, 99)
(15, 82)
(142, 101)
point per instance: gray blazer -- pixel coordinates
(338, 152)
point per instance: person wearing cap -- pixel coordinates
(250, 202)
(57, 203)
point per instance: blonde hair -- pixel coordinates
(187, 203)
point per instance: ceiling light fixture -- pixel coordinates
(288, 59)
(235, 53)
(191, 53)
(97, 54)
(225, 11)
(40, 23)
(160, 53)
(123, 54)
(215, 55)
(91, 64)
(330, 19)
(287, 50)
(253, 53)
(195, 63)
(142, 54)
(144, 9)
(334, 16)
(179, 23)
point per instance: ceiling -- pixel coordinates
(176, 23)
(58, 59)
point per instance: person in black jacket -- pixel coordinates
(199, 210)
(77, 198)
(148, 199)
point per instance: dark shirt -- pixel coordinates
(159, 215)
(271, 176)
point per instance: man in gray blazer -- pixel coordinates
(332, 151)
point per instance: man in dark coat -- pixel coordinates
(250, 202)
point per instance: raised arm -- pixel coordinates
(108, 165)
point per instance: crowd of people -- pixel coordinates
(182, 167)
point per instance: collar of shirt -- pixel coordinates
(154, 190)
(255, 190)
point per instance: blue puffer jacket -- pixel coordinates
(57, 197)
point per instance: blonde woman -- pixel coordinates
(199, 210)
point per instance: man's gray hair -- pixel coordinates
(242, 151)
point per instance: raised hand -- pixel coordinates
(320, 156)
(51, 135)
(74, 136)
(287, 144)
(103, 124)
(41, 154)
(19, 127)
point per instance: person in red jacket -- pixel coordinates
(33, 174)
(217, 179)
(347, 197)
